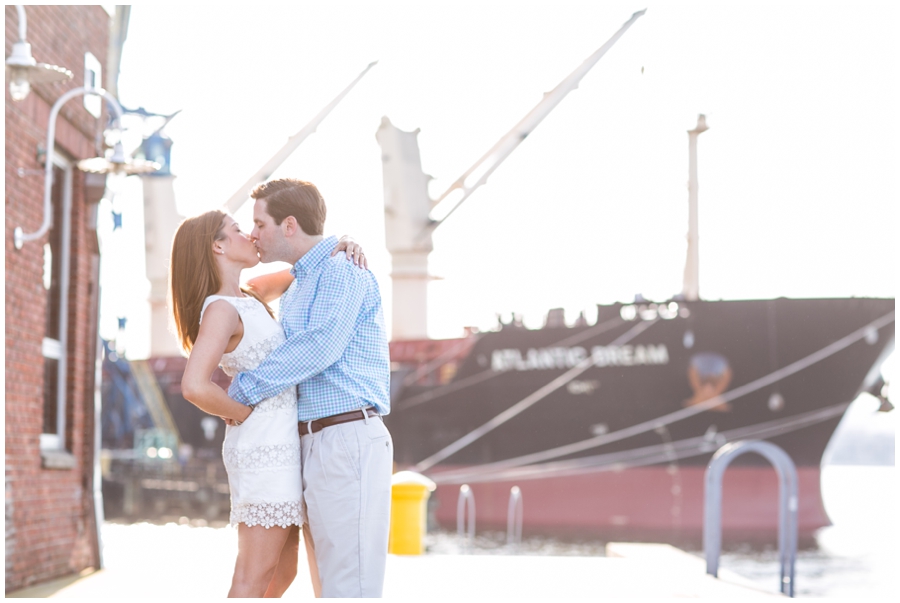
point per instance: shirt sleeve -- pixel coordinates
(333, 314)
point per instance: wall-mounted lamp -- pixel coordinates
(21, 68)
(118, 162)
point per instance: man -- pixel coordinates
(336, 354)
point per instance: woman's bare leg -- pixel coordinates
(287, 565)
(258, 551)
(311, 559)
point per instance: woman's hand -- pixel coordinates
(220, 322)
(354, 251)
(242, 415)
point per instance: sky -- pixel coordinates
(798, 184)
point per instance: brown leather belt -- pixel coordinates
(344, 417)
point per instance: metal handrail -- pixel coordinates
(787, 505)
(466, 501)
(514, 518)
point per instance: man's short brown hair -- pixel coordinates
(291, 197)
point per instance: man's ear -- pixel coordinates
(289, 226)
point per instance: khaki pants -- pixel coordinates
(347, 492)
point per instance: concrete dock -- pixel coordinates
(185, 562)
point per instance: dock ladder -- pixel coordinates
(787, 505)
(466, 501)
(514, 516)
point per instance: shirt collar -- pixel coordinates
(314, 257)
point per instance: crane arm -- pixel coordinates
(478, 174)
(243, 193)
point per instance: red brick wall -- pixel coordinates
(50, 529)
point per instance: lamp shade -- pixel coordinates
(117, 163)
(103, 165)
(23, 71)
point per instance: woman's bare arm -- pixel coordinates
(221, 324)
(270, 287)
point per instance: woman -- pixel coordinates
(219, 322)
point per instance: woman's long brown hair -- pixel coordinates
(194, 274)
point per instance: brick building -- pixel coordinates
(51, 519)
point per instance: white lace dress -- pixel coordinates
(262, 455)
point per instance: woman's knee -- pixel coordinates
(249, 584)
(253, 572)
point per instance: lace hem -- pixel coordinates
(268, 514)
(261, 458)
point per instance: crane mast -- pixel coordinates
(410, 215)
(242, 194)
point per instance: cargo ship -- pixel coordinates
(607, 428)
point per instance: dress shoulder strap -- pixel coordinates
(232, 300)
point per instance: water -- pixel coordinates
(857, 556)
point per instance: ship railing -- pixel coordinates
(787, 505)
(466, 502)
(514, 517)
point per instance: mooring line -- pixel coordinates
(527, 402)
(684, 413)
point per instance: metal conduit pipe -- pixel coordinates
(23, 22)
(787, 506)
(20, 237)
(466, 501)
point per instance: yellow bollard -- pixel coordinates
(409, 498)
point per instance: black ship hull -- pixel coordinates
(609, 427)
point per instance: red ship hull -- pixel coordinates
(643, 502)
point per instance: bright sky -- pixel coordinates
(798, 172)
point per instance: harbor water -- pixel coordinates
(855, 557)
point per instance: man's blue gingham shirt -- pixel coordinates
(336, 350)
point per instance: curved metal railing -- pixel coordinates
(787, 505)
(466, 501)
(514, 517)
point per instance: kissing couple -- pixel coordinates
(305, 445)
